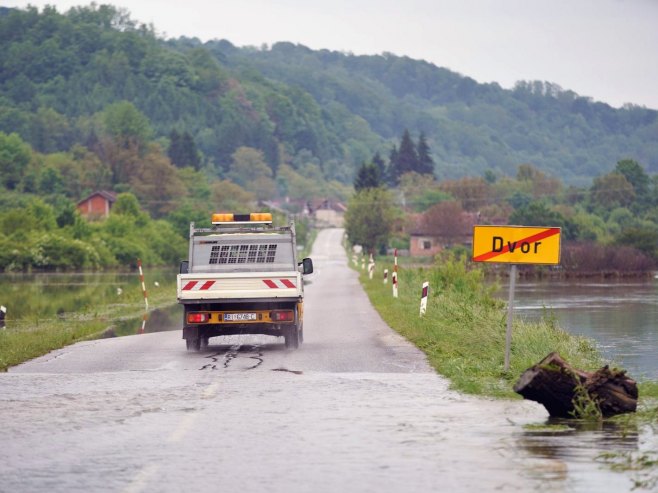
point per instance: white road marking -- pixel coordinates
(142, 478)
(184, 425)
(210, 391)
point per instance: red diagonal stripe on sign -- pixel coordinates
(530, 239)
(189, 285)
(207, 285)
(270, 284)
(287, 283)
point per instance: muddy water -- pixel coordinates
(621, 316)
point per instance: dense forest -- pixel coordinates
(91, 99)
(471, 127)
(322, 110)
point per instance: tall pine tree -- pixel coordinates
(404, 159)
(182, 150)
(379, 162)
(391, 171)
(425, 162)
(368, 176)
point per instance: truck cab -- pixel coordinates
(242, 276)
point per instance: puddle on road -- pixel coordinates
(158, 320)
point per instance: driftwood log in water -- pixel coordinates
(553, 383)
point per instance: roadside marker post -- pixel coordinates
(394, 281)
(141, 278)
(371, 267)
(395, 273)
(423, 298)
(143, 327)
(385, 276)
(515, 245)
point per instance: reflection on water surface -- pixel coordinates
(622, 317)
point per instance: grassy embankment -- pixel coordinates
(463, 332)
(31, 338)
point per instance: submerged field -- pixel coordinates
(50, 311)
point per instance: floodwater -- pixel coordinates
(356, 409)
(620, 316)
(31, 299)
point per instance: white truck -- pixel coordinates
(242, 277)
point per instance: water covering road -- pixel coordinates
(356, 409)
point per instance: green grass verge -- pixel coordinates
(29, 339)
(463, 331)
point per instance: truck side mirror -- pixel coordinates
(307, 266)
(184, 266)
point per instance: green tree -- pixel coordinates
(230, 197)
(392, 178)
(182, 150)
(381, 165)
(611, 191)
(406, 157)
(127, 205)
(157, 184)
(296, 186)
(425, 162)
(635, 175)
(127, 125)
(644, 239)
(250, 171)
(14, 158)
(537, 213)
(368, 176)
(369, 218)
(51, 181)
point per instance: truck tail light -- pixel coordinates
(282, 316)
(197, 318)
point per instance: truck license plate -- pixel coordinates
(238, 317)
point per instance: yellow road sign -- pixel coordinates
(516, 244)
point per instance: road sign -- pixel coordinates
(516, 244)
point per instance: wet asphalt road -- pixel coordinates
(357, 409)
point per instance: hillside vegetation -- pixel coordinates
(321, 112)
(93, 100)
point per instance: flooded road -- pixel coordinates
(356, 409)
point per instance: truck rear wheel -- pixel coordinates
(291, 337)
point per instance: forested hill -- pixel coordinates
(318, 111)
(471, 126)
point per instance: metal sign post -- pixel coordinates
(510, 315)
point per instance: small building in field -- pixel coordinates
(97, 205)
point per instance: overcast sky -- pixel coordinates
(603, 49)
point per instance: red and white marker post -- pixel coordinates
(141, 278)
(395, 274)
(423, 298)
(385, 276)
(371, 266)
